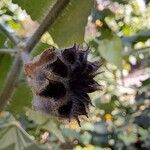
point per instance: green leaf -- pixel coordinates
(45, 42)
(2, 39)
(108, 107)
(52, 127)
(69, 27)
(35, 8)
(38, 117)
(5, 61)
(22, 98)
(110, 49)
(13, 137)
(145, 85)
(128, 138)
(39, 48)
(70, 133)
(5, 118)
(45, 122)
(86, 138)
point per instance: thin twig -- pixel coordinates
(12, 37)
(7, 50)
(29, 45)
(46, 23)
(10, 82)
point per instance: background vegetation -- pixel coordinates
(118, 32)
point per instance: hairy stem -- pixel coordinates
(26, 49)
(12, 37)
(10, 82)
(47, 22)
(7, 50)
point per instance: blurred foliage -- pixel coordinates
(20, 140)
(118, 32)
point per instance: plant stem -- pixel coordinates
(12, 37)
(10, 82)
(8, 50)
(46, 23)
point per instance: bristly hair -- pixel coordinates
(61, 81)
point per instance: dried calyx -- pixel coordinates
(61, 81)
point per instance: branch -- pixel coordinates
(8, 50)
(10, 82)
(27, 48)
(12, 37)
(46, 23)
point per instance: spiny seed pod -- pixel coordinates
(61, 81)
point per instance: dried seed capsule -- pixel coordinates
(61, 81)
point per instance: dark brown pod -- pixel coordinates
(61, 81)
